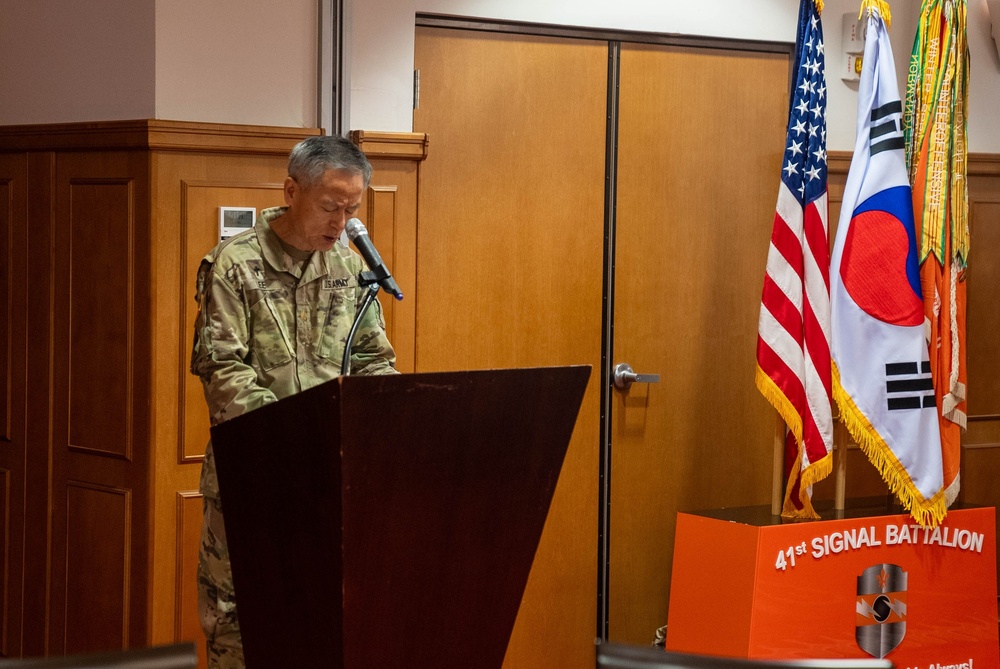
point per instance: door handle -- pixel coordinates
(623, 376)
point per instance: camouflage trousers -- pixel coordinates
(216, 599)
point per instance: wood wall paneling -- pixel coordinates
(981, 442)
(380, 207)
(189, 187)
(983, 308)
(199, 233)
(154, 134)
(101, 408)
(94, 437)
(6, 305)
(5, 557)
(983, 431)
(390, 212)
(187, 626)
(95, 294)
(980, 464)
(13, 382)
(98, 565)
(38, 502)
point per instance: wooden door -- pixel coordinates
(13, 393)
(509, 269)
(509, 272)
(699, 147)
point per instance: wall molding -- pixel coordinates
(980, 164)
(406, 145)
(153, 134)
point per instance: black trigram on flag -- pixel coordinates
(909, 385)
(886, 134)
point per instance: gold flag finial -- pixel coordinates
(881, 6)
(819, 6)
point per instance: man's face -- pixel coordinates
(320, 211)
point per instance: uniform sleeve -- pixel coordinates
(372, 353)
(221, 349)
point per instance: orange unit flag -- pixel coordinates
(936, 147)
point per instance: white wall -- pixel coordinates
(255, 61)
(382, 54)
(842, 106)
(237, 61)
(378, 56)
(226, 61)
(984, 64)
(69, 61)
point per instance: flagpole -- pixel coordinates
(839, 467)
(778, 474)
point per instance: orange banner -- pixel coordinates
(878, 586)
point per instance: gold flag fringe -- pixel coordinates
(819, 6)
(812, 474)
(881, 6)
(816, 471)
(788, 510)
(770, 390)
(927, 512)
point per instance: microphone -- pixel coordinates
(358, 234)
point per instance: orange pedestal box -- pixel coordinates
(746, 585)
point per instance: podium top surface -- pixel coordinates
(862, 507)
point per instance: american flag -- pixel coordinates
(793, 343)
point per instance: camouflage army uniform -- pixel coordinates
(267, 328)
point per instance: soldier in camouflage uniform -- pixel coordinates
(275, 306)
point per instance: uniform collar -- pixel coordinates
(270, 246)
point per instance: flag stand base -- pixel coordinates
(747, 584)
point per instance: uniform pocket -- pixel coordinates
(268, 340)
(337, 319)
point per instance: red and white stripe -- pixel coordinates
(793, 346)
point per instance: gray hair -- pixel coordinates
(313, 156)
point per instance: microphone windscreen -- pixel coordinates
(355, 228)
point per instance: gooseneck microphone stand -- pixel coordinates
(369, 279)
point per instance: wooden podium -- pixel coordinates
(391, 521)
